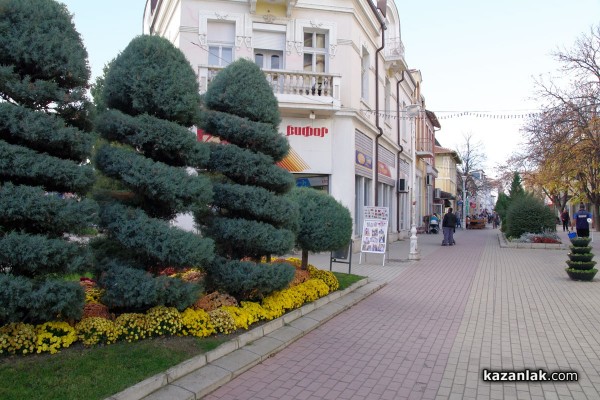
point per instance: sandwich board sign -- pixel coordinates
(375, 230)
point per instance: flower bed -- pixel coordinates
(546, 237)
(102, 328)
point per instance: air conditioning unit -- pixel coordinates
(402, 188)
(437, 193)
(428, 180)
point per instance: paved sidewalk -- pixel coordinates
(429, 328)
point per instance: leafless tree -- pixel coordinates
(472, 154)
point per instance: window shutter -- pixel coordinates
(269, 40)
(221, 32)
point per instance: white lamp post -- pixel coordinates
(464, 215)
(413, 111)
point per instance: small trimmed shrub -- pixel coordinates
(246, 280)
(580, 241)
(580, 257)
(581, 275)
(580, 250)
(581, 265)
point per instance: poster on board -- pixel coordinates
(375, 229)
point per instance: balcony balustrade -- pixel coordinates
(296, 87)
(394, 54)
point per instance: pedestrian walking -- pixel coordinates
(448, 226)
(580, 221)
(565, 218)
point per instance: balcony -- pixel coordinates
(293, 89)
(394, 54)
(424, 147)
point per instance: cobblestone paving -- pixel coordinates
(430, 332)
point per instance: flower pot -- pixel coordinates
(580, 257)
(581, 275)
(580, 250)
(581, 265)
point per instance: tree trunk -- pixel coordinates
(304, 264)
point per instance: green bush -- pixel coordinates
(128, 289)
(174, 292)
(324, 224)
(529, 214)
(57, 300)
(26, 300)
(15, 292)
(248, 280)
(131, 289)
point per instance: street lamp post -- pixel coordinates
(464, 215)
(414, 254)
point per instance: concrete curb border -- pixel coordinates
(204, 373)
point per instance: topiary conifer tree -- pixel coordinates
(251, 218)
(324, 224)
(528, 214)
(44, 173)
(151, 95)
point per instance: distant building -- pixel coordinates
(446, 161)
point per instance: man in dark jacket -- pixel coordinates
(448, 226)
(580, 220)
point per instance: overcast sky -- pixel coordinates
(478, 57)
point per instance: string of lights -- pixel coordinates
(442, 115)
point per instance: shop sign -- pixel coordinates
(306, 155)
(364, 160)
(306, 131)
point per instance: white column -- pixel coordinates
(464, 216)
(414, 254)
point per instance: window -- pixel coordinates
(315, 51)
(385, 198)
(362, 198)
(387, 99)
(405, 125)
(221, 39)
(269, 46)
(364, 75)
(266, 59)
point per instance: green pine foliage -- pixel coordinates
(134, 290)
(153, 77)
(44, 147)
(501, 208)
(516, 188)
(247, 279)
(43, 63)
(151, 97)
(251, 216)
(528, 214)
(324, 224)
(504, 202)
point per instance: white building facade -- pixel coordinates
(332, 67)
